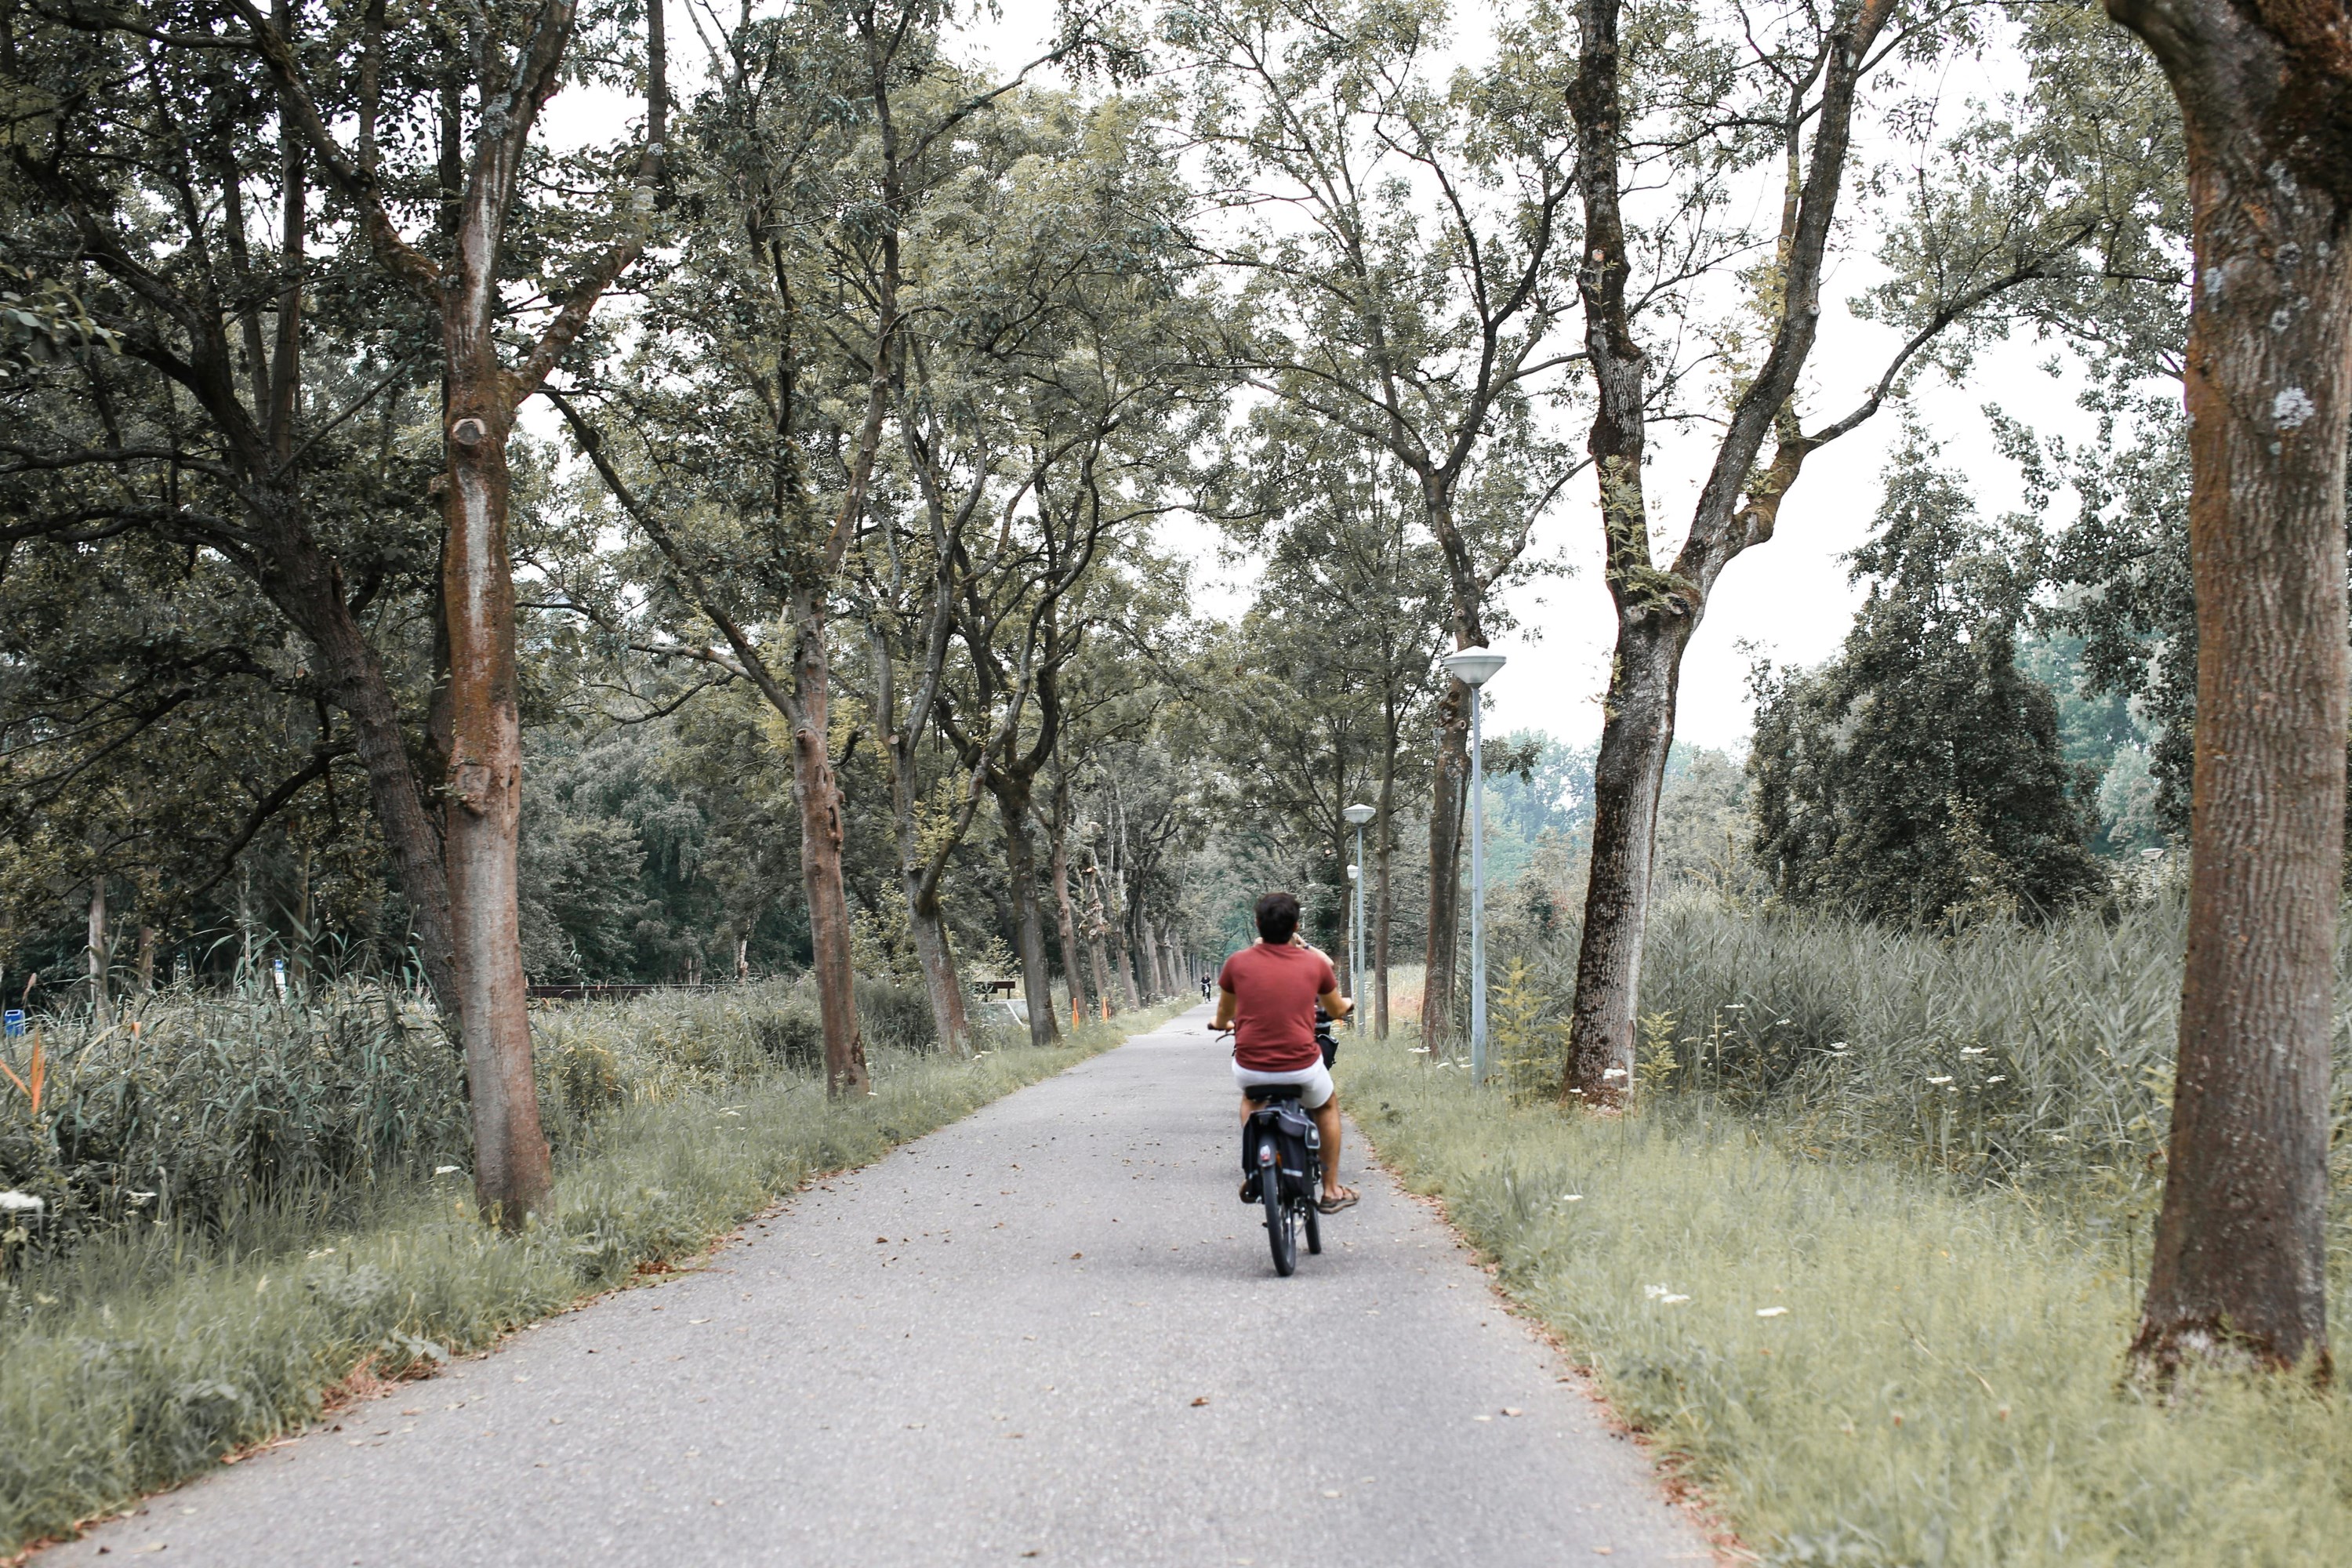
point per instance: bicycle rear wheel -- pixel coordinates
(1280, 1235)
(1314, 1228)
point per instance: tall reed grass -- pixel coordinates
(195, 1107)
(2008, 1053)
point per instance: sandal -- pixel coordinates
(1346, 1199)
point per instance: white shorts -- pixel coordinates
(1315, 1082)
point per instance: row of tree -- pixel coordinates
(906, 364)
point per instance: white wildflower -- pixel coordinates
(445, 1170)
(1772, 1312)
(1571, 1198)
(1672, 1300)
(138, 1198)
(13, 1202)
(1972, 1050)
(1837, 1045)
(1998, 1077)
(1940, 1080)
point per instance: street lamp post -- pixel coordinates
(1473, 667)
(1357, 816)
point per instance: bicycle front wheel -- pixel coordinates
(1280, 1235)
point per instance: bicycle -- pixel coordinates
(1283, 1153)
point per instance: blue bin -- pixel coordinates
(15, 1020)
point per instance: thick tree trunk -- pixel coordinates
(511, 1174)
(1099, 963)
(1096, 959)
(1123, 964)
(940, 983)
(1449, 780)
(1066, 921)
(818, 796)
(1148, 933)
(2238, 1267)
(1628, 778)
(357, 685)
(1029, 922)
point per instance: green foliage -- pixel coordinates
(1918, 775)
(1937, 1380)
(145, 1357)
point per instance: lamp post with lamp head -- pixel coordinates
(1357, 816)
(1473, 667)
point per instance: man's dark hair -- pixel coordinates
(1278, 917)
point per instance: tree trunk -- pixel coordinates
(1067, 920)
(305, 588)
(940, 982)
(146, 959)
(1657, 611)
(511, 1172)
(1384, 916)
(818, 796)
(1095, 958)
(1628, 777)
(2239, 1266)
(95, 948)
(1122, 962)
(1450, 780)
(1021, 871)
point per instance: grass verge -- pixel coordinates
(1937, 1381)
(145, 1358)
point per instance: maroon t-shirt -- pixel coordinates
(1275, 989)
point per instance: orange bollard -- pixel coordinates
(1106, 1005)
(1074, 1014)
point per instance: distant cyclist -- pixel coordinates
(1266, 996)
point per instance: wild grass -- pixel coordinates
(1939, 1379)
(2010, 1054)
(199, 1107)
(149, 1352)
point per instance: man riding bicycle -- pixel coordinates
(1267, 995)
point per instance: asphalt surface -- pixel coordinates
(1048, 1333)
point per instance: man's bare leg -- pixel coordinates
(1326, 1123)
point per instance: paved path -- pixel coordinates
(991, 1347)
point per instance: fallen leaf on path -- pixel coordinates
(1482, 1418)
(1075, 1255)
(1512, 1410)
